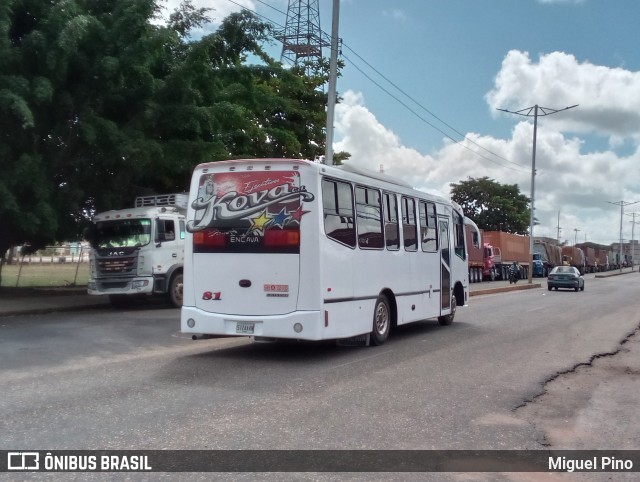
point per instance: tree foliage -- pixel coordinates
(99, 104)
(493, 206)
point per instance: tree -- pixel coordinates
(493, 206)
(99, 104)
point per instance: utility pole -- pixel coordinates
(622, 205)
(575, 241)
(534, 111)
(559, 228)
(333, 76)
(633, 249)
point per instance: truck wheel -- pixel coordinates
(175, 290)
(448, 319)
(381, 321)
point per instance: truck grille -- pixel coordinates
(117, 266)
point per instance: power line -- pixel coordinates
(426, 121)
(427, 110)
(270, 6)
(386, 91)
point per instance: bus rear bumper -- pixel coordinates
(301, 325)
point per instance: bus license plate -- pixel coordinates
(245, 328)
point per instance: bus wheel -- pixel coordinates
(175, 290)
(381, 321)
(448, 319)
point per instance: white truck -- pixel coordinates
(139, 251)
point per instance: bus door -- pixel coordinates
(445, 265)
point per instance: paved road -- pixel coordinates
(107, 379)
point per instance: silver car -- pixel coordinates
(565, 277)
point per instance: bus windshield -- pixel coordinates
(122, 233)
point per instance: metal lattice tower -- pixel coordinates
(302, 38)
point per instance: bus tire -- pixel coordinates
(174, 295)
(381, 321)
(448, 319)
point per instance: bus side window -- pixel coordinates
(458, 224)
(369, 218)
(428, 228)
(391, 228)
(337, 202)
(409, 224)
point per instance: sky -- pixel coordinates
(424, 79)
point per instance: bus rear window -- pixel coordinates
(250, 212)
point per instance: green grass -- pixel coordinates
(45, 275)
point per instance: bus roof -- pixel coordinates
(335, 171)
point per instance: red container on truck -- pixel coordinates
(505, 248)
(590, 259)
(573, 256)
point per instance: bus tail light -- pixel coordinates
(209, 238)
(281, 237)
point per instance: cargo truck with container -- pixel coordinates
(139, 251)
(599, 257)
(590, 258)
(573, 256)
(501, 250)
(546, 256)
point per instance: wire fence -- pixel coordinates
(54, 266)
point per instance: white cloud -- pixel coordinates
(219, 10)
(607, 97)
(578, 184)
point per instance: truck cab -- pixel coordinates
(538, 266)
(139, 251)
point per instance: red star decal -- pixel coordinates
(297, 214)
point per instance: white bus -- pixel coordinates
(280, 248)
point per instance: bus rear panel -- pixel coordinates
(243, 247)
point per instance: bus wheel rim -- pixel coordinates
(382, 319)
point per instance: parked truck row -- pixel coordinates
(491, 256)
